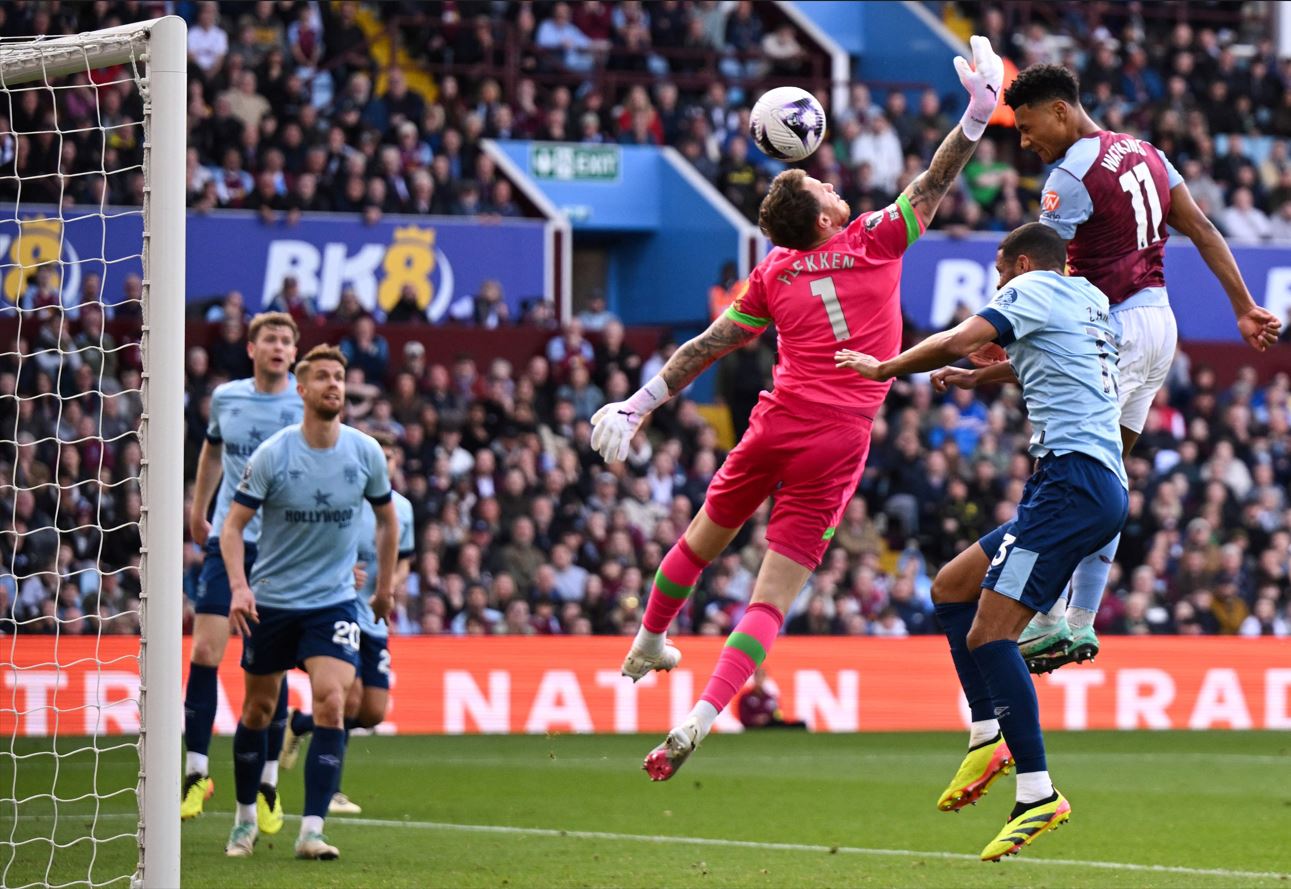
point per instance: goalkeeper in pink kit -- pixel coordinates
(827, 285)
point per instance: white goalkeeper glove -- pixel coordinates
(983, 81)
(614, 425)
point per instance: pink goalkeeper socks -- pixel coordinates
(745, 649)
(673, 582)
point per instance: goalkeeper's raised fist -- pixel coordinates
(983, 80)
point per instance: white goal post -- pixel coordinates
(153, 55)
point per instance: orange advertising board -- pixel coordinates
(572, 684)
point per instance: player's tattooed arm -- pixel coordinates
(929, 187)
(694, 356)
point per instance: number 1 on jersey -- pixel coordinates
(824, 288)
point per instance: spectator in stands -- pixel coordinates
(208, 43)
(568, 344)
(879, 146)
(596, 316)
(245, 103)
(580, 391)
(1280, 225)
(501, 202)
(290, 300)
(563, 41)
(1243, 222)
(367, 350)
(738, 178)
(489, 306)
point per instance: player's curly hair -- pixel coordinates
(1041, 83)
(788, 213)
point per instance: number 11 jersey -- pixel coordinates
(1109, 197)
(842, 294)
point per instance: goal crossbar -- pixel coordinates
(32, 60)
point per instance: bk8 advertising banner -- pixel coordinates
(532, 685)
(444, 260)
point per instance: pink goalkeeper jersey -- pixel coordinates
(844, 294)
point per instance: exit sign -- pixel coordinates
(574, 163)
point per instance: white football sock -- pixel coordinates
(983, 731)
(1034, 786)
(1079, 617)
(197, 764)
(706, 714)
(1054, 615)
(310, 824)
(648, 643)
(247, 814)
(269, 774)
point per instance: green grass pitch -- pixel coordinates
(757, 810)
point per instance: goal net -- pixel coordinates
(92, 191)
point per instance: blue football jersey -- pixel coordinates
(368, 554)
(1059, 336)
(241, 419)
(311, 504)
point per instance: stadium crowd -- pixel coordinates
(520, 528)
(291, 110)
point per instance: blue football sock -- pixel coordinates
(956, 620)
(199, 707)
(302, 723)
(1090, 577)
(249, 746)
(278, 726)
(323, 769)
(1013, 695)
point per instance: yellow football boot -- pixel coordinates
(197, 790)
(1022, 829)
(981, 767)
(269, 809)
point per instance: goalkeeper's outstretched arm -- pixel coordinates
(614, 425)
(982, 82)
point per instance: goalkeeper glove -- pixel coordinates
(614, 425)
(983, 81)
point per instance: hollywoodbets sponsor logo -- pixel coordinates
(340, 517)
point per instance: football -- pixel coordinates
(787, 123)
